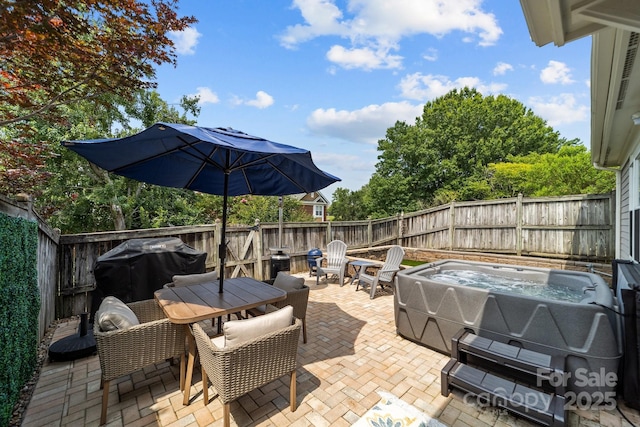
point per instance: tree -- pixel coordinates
(55, 53)
(82, 197)
(58, 54)
(347, 205)
(450, 145)
(569, 171)
(246, 209)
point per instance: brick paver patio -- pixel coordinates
(353, 352)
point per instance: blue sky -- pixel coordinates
(332, 76)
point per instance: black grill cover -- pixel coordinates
(135, 269)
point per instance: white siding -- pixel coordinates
(625, 217)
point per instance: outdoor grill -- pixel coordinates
(280, 261)
(135, 269)
(312, 255)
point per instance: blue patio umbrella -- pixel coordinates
(220, 161)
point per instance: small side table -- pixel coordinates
(358, 267)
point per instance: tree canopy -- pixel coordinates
(84, 70)
(466, 146)
(54, 53)
(450, 145)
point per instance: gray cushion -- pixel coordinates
(113, 314)
(239, 331)
(194, 279)
(287, 282)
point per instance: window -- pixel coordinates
(318, 211)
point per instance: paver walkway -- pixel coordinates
(352, 352)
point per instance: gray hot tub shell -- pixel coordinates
(585, 333)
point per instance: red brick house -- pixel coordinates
(315, 204)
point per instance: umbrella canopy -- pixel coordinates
(219, 161)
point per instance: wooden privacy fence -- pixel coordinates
(572, 227)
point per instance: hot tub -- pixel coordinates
(555, 312)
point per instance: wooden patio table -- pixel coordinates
(190, 304)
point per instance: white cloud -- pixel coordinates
(207, 96)
(379, 25)
(501, 68)
(556, 72)
(367, 125)
(427, 87)
(431, 54)
(561, 109)
(261, 101)
(185, 41)
(364, 58)
(345, 162)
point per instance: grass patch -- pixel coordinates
(412, 263)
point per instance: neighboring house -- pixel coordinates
(614, 26)
(314, 204)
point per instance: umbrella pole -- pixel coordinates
(223, 243)
(280, 222)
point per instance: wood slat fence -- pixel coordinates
(577, 228)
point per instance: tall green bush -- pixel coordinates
(19, 308)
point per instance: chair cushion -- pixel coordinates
(113, 314)
(287, 282)
(239, 331)
(194, 279)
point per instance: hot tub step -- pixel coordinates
(534, 405)
(543, 370)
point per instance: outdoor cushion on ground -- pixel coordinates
(239, 331)
(113, 314)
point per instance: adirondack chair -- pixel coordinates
(336, 261)
(384, 274)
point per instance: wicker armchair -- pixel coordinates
(125, 351)
(297, 298)
(237, 370)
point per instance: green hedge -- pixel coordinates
(19, 308)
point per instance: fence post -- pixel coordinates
(400, 227)
(519, 220)
(328, 231)
(452, 224)
(369, 233)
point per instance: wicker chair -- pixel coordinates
(237, 370)
(125, 351)
(298, 299)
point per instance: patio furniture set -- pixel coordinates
(243, 354)
(337, 261)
